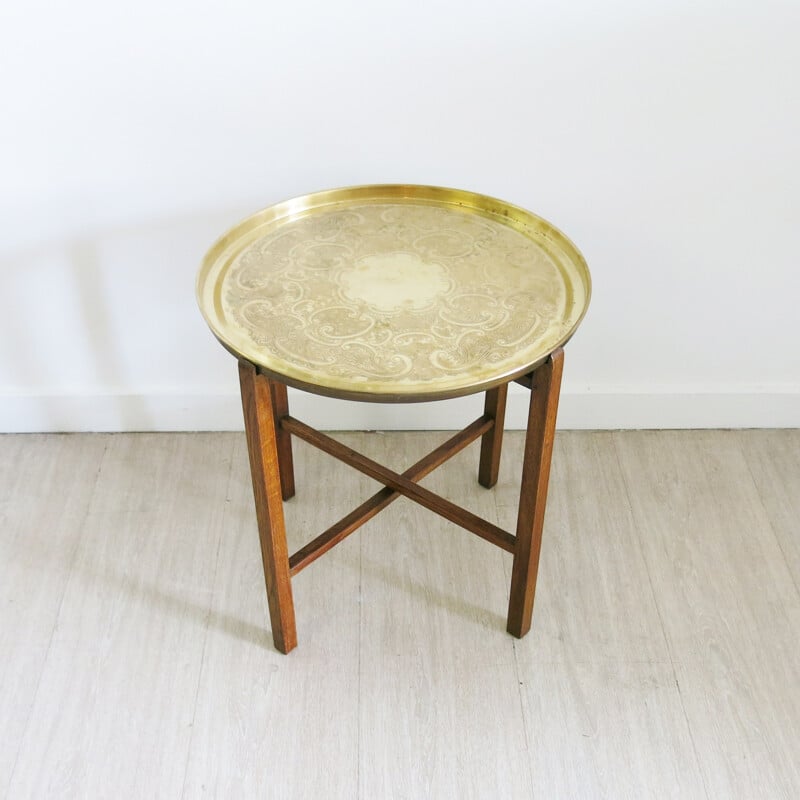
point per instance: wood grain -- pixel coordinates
(728, 603)
(663, 661)
(439, 505)
(265, 725)
(113, 710)
(462, 737)
(773, 458)
(595, 603)
(604, 714)
(283, 439)
(539, 438)
(608, 729)
(429, 591)
(492, 442)
(46, 485)
(262, 446)
(380, 500)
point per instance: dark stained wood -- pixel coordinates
(369, 508)
(492, 442)
(280, 408)
(524, 380)
(546, 382)
(259, 422)
(269, 429)
(450, 511)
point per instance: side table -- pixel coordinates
(395, 294)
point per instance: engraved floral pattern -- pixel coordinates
(397, 297)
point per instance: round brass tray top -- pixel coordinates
(393, 293)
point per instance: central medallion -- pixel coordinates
(394, 281)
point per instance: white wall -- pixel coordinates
(662, 137)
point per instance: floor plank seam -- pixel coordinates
(212, 582)
(73, 556)
(642, 557)
(528, 768)
(360, 637)
(768, 517)
(119, 545)
(664, 636)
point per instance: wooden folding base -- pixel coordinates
(269, 429)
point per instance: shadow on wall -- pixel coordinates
(94, 309)
(102, 332)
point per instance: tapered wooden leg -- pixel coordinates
(262, 444)
(492, 441)
(546, 385)
(280, 408)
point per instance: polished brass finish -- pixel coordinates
(394, 293)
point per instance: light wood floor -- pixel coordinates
(664, 660)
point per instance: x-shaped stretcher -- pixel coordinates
(269, 429)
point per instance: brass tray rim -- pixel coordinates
(301, 205)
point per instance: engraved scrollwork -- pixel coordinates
(366, 363)
(336, 323)
(320, 255)
(473, 310)
(471, 347)
(332, 227)
(395, 292)
(445, 243)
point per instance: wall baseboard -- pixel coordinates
(587, 408)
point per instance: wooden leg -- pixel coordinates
(546, 385)
(492, 441)
(280, 408)
(262, 444)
